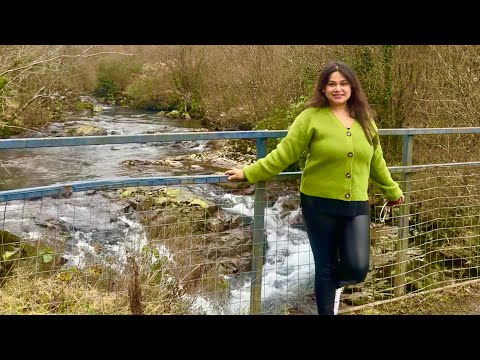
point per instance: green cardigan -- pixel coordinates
(339, 161)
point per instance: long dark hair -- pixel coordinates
(357, 103)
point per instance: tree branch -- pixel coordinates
(23, 128)
(36, 96)
(81, 55)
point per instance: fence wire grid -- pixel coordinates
(189, 249)
(203, 245)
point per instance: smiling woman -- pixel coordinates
(338, 132)
(338, 92)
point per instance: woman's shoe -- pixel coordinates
(336, 304)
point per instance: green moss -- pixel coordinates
(3, 82)
(82, 105)
(6, 131)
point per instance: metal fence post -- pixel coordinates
(403, 223)
(258, 237)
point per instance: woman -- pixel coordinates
(343, 152)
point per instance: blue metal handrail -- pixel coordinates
(190, 136)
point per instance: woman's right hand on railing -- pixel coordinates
(235, 174)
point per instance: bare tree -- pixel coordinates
(35, 80)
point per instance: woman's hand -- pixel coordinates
(387, 207)
(235, 174)
(396, 202)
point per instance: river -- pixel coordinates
(90, 218)
(47, 166)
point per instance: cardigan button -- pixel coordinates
(347, 196)
(348, 175)
(349, 133)
(350, 154)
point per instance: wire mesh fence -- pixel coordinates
(203, 245)
(188, 248)
(442, 237)
(146, 249)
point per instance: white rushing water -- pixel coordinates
(289, 267)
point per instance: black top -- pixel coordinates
(339, 207)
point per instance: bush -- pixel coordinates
(114, 75)
(151, 92)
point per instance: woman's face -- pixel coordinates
(337, 90)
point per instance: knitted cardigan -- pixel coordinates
(339, 161)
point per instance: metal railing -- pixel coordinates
(403, 218)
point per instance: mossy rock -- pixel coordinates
(82, 106)
(12, 249)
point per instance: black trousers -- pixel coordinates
(341, 251)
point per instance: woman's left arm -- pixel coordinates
(380, 175)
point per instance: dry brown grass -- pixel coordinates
(81, 292)
(460, 299)
(144, 287)
(30, 293)
(457, 299)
